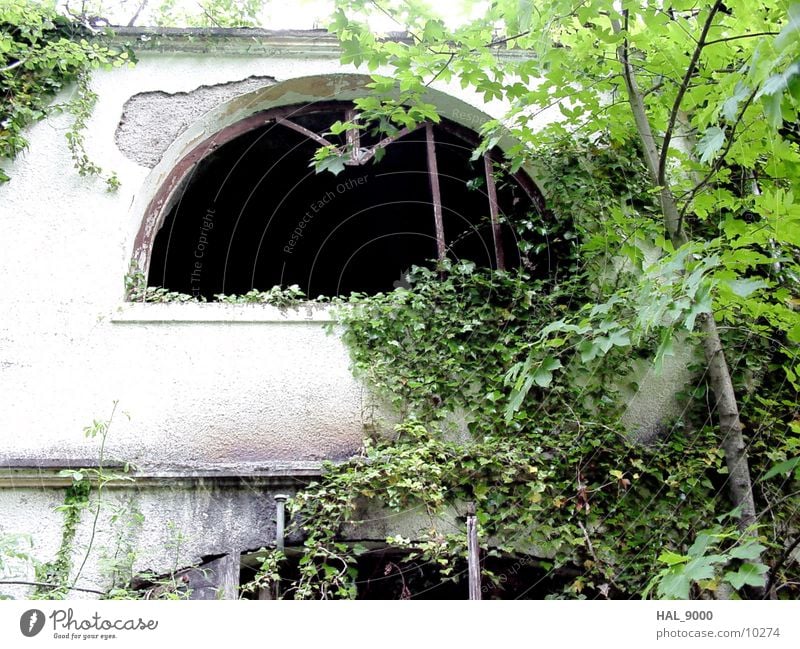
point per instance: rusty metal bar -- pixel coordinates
(473, 553)
(433, 176)
(387, 141)
(497, 232)
(302, 129)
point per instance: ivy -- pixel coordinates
(56, 573)
(41, 54)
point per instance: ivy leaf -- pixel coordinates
(332, 163)
(710, 144)
(543, 375)
(588, 351)
(701, 544)
(518, 396)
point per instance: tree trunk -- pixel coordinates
(730, 427)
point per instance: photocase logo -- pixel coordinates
(31, 622)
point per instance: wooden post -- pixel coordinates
(433, 175)
(473, 554)
(497, 233)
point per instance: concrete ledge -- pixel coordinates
(135, 312)
(17, 473)
(289, 43)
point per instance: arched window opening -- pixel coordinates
(253, 213)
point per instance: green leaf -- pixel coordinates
(782, 468)
(674, 585)
(746, 287)
(790, 30)
(748, 551)
(543, 375)
(672, 558)
(710, 144)
(749, 574)
(730, 108)
(703, 567)
(701, 544)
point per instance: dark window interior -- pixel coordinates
(254, 214)
(386, 574)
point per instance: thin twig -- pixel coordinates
(736, 38)
(442, 69)
(778, 565)
(41, 584)
(100, 463)
(689, 195)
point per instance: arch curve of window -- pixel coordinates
(246, 209)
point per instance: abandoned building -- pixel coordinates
(221, 407)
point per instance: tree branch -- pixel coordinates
(442, 69)
(736, 38)
(135, 17)
(41, 584)
(690, 70)
(718, 162)
(778, 565)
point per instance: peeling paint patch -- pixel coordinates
(151, 121)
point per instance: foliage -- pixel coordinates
(210, 13)
(87, 493)
(15, 556)
(149, 586)
(56, 573)
(268, 573)
(137, 290)
(276, 296)
(572, 488)
(705, 564)
(556, 474)
(41, 53)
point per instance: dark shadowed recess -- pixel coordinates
(254, 214)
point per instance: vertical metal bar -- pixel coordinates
(280, 521)
(473, 554)
(280, 532)
(353, 136)
(433, 176)
(497, 232)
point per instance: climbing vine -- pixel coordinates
(42, 53)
